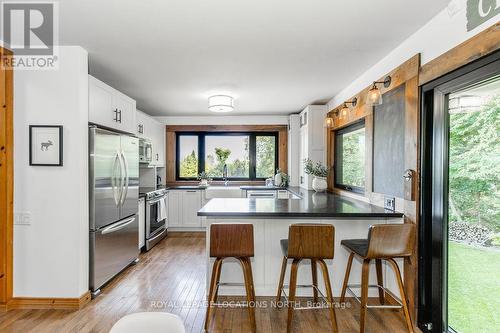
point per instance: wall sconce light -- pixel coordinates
(374, 94)
(345, 107)
(328, 122)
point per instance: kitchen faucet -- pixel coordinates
(224, 174)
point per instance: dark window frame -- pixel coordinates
(348, 129)
(252, 148)
(434, 164)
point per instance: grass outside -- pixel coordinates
(473, 289)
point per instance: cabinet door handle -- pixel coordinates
(157, 157)
(120, 114)
(191, 191)
(115, 118)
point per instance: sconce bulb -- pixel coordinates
(374, 96)
(328, 122)
(344, 111)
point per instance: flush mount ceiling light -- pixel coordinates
(345, 107)
(221, 103)
(374, 94)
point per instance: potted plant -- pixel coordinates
(319, 173)
(204, 179)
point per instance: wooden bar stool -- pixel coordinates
(314, 242)
(231, 241)
(385, 242)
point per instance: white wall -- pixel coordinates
(445, 31)
(51, 254)
(225, 120)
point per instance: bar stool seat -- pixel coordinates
(358, 246)
(284, 247)
(231, 241)
(316, 243)
(385, 242)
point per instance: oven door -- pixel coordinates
(153, 226)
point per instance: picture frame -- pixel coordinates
(46, 145)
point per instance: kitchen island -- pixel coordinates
(271, 219)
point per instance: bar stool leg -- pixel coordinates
(380, 280)
(291, 296)
(346, 277)
(247, 273)
(282, 279)
(329, 294)
(212, 295)
(314, 272)
(364, 293)
(403, 295)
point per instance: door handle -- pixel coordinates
(113, 180)
(120, 226)
(408, 175)
(122, 171)
(115, 118)
(125, 181)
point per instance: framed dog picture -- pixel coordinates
(46, 145)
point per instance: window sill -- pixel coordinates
(217, 182)
(350, 194)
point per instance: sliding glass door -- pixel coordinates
(460, 233)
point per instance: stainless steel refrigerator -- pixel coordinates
(114, 192)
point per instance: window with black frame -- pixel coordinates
(350, 158)
(247, 155)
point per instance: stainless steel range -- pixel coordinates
(156, 219)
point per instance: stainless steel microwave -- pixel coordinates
(145, 151)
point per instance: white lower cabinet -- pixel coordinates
(174, 208)
(183, 207)
(191, 204)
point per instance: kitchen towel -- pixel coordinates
(162, 209)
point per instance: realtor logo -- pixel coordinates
(29, 29)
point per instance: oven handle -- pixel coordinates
(154, 201)
(160, 233)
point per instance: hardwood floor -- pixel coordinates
(171, 278)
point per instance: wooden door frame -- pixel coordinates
(6, 182)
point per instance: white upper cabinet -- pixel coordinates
(110, 108)
(158, 139)
(151, 129)
(142, 124)
(312, 140)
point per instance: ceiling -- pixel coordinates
(274, 56)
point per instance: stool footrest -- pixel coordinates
(387, 291)
(323, 297)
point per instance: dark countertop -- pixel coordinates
(262, 188)
(312, 205)
(186, 187)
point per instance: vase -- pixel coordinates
(319, 184)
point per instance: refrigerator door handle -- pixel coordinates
(113, 180)
(118, 226)
(126, 179)
(122, 175)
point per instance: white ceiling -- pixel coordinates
(274, 56)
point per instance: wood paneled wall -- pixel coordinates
(171, 143)
(6, 180)
(482, 44)
(408, 74)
